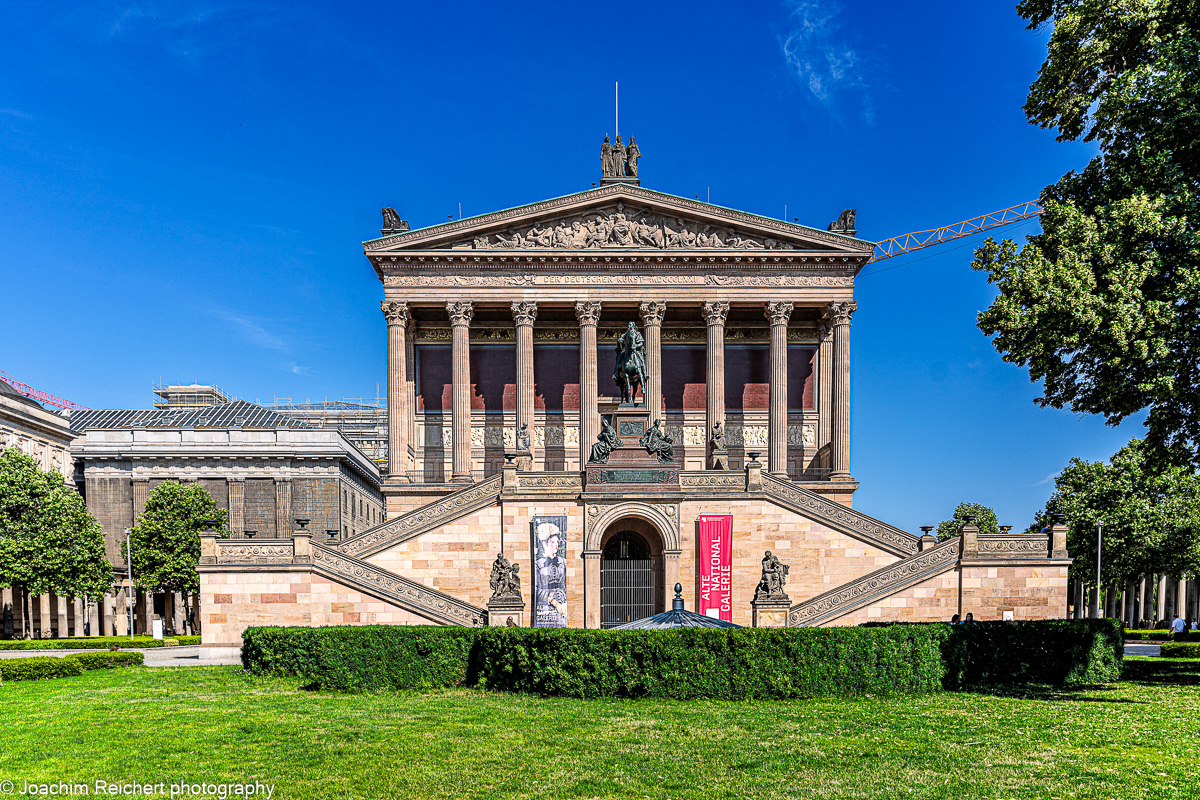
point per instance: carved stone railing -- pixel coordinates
(875, 586)
(1009, 545)
(713, 481)
(424, 519)
(839, 517)
(241, 551)
(393, 588)
(549, 482)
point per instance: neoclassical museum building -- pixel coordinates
(522, 489)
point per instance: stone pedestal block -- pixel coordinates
(501, 611)
(772, 613)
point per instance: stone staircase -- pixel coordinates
(836, 516)
(393, 588)
(876, 585)
(426, 518)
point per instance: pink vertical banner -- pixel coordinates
(716, 566)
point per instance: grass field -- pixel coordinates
(1135, 739)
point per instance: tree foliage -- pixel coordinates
(1103, 306)
(1151, 516)
(166, 537)
(985, 520)
(48, 540)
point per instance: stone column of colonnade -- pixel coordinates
(1142, 586)
(524, 315)
(825, 392)
(715, 314)
(398, 317)
(777, 407)
(840, 314)
(588, 314)
(461, 313)
(652, 316)
(1162, 598)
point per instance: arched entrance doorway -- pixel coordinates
(631, 572)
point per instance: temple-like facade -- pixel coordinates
(505, 334)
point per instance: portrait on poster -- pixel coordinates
(550, 572)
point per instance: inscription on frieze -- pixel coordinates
(632, 475)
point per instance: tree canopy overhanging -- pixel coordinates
(1103, 306)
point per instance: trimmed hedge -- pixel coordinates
(727, 664)
(38, 668)
(106, 660)
(696, 662)
(1054, 652)
(97, 643)
(1180, 650)
(1161, 636)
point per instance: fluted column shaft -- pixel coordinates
(825, 393)
(1162, 597)
(588, 314)
(714, 390)
(398, 316)
(777, 407)
(652, 317)
(840, 314)
(461, 314)
(524, 315)
(1141, 601)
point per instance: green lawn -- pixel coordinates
(1138, 738)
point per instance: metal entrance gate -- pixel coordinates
(627, 590)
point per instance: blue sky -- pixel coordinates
(184, 187)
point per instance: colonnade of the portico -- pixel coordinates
(833, 380)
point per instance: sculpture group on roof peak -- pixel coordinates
(618, 160)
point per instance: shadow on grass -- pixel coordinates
(1162, 671)
(1085, 693)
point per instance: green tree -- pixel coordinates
(166, 537)
(48, 540)
(985, 520)
(1151, 516)
(1103, 306)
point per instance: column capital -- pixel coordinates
(840, 313)
(524, 313)
(396, 312)
(588, 312)
(715, 312)
(461, 312)
(652, 312)
(778, 313)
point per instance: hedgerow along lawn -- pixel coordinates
(1133, 739)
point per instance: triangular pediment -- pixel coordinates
(620, 217)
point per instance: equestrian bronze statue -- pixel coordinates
(630, 371)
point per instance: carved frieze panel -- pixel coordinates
(253, 553)
(803, 435)
(713, 481)
(649, 279)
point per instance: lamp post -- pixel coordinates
(132, 591)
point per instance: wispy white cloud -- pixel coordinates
(251, 330)
(1048, 479)
(298, 369)
(15, 112)
(825, 61)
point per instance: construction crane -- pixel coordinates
(918, 240)
(37, 394)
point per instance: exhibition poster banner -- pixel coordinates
(549, 572)
(716, 566)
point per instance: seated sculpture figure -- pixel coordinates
(658, 443)
(605, 443)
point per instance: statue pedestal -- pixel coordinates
(629, 467)
(771, 612)
(719, 459)
(501, 610)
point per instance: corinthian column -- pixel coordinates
(588, 314)
(840, 314)
(778, 314)
(397, 316)
(825, 393)
(714, 390)
(524, 315)
(461, 314)
(652, 317)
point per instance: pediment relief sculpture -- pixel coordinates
(624, 229)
